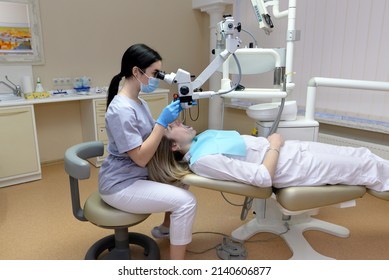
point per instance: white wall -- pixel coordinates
(339, 39)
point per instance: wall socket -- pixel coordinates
(62, 82)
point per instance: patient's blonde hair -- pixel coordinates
(167, 166)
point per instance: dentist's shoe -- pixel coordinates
(160, 232)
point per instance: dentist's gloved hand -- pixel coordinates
(169, 114)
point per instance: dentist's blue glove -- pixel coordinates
(169, 114)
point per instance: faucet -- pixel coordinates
(15, 88)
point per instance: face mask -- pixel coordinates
(152, 86)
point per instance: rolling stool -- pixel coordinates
(101, 214)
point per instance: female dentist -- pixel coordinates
(133, 138)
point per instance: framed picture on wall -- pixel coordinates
(20, 32)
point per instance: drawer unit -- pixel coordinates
(93, 125)
(102, 133)
(100, 108)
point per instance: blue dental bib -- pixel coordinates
(212, 142)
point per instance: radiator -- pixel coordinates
(380, 150)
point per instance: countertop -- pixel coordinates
(59, 97)
(51, 99)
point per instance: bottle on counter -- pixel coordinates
(39, 87)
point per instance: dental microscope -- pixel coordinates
(189, 90)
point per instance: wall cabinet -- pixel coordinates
(19, 157)
(93, 118)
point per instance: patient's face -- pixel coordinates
(180, 133)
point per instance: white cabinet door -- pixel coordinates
(19, 158)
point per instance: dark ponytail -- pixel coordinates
(138, 55)
(113, 88)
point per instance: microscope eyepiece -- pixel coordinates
(160, 75)
(168, 78)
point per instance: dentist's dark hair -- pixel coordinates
(138, 55)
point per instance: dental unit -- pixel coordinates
(286, 212)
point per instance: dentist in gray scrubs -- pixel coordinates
(133, 138)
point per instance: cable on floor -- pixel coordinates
(227, 236)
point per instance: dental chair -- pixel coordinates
(287, 212)
(227, 186)
(380, 195)
(101, 214)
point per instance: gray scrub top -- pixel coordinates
(128, 124)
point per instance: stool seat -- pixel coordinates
(310, 197)
(103, 215)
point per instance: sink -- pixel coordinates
(269, 111)
(9, 97)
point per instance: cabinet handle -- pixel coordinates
(4, 114)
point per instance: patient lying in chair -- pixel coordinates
(264, 162)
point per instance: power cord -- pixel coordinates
(209, 249)
(246, 205)
(229, 202)
(198, 112)
(229, 249)
(232, 248)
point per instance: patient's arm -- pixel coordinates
(271, 158)
(221, 167)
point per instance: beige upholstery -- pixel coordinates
(292, 198)
(115, 246)
(303, 198)
(101, 214)
(227, 186)
(381, 195)
(287, 213)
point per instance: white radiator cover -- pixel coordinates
(380, 150)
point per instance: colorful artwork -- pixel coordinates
(15, 39)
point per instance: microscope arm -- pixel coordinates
(211, 68)
(188, 90)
